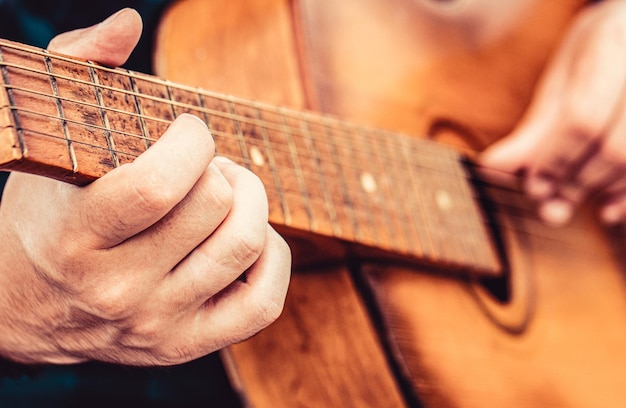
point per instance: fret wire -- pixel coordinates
(239, 136)
(415, 208)
(105, 119)
(86, 144)
(448, 184)
(330, 205)
(274, 171)
(391, 224)
(448, 248)
(145, 135)
(434, 222)
(59, 106)
(204, 110)
(298, 170)
(359, 199)
(75, 122)
(469, 230)
(88, 104)
(474, 243)
(411, 230)
(344, 188)
(331, 175)
(170, 102)
(11, 101)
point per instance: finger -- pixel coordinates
(109, 42)
(234, 246)
(516, 153)
(244, 308)
(613, 202)
(613, 193)
(504, 161)
(615, 211)
(185, 227)
(588, 103)
(135, 196)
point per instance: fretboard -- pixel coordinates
(75, 121)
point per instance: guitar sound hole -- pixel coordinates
(498, 287)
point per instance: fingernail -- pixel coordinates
(112, 18)
(223, 160)
(539, 187)
(556, 212)
(189, 115)
(611, 214)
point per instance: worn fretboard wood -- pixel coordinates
(76, 121)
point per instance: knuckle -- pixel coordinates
(268, 310)
(219, 194)
(151, 195)
(68, 269)
(146, 335)
(113, 303)
(72, 271)
(247, 247)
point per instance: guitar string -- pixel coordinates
(417, 151)
(515, 208)
(167, 122)
(344, 135)
(277, 147)
(218, 133)
(295, 114)
(253, 105)
(312, 117)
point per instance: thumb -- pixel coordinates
(509, 157)
(109, 42)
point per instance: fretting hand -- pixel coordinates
(142, 266)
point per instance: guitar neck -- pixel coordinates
(75, 121)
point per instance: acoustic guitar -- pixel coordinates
(415, 281)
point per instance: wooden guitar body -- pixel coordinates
(553, 331)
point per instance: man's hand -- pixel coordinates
(571, 145)
(159, 262)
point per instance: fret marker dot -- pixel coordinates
(368, 182)
(443, 200)
(256, 156)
